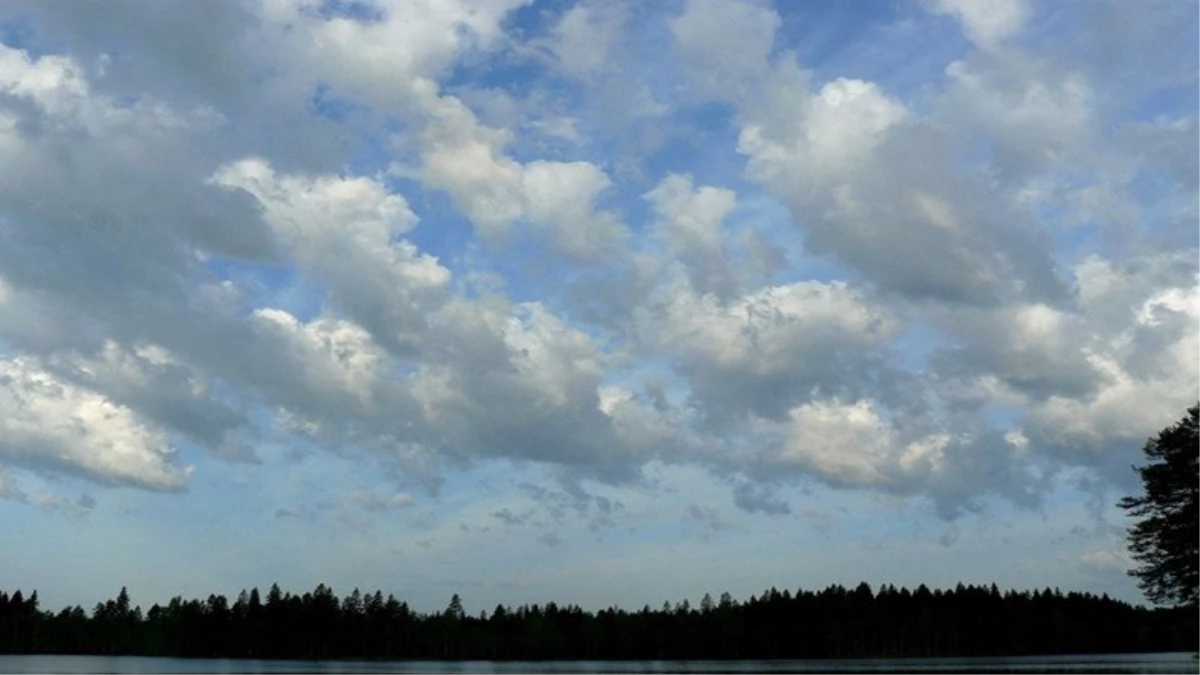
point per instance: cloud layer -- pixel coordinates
(594, 240)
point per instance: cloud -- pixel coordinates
(52, 425)
(726, 44)
(9, 488)
(172, 394)
(583, 39)
(759, 351)
(691, 226)
(759, 499)
(707, 518)
(557, 198)
(1103, 561)
(1035, 114)
(840, 158)
(839, 127)
(380, 57)
(985, 279)
(1150, 367)
(343, 231)
(986, 23)
(848, 444)
(1032, 348)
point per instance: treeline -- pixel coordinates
(833, 623)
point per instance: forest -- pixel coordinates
(832, 623)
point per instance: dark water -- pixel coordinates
(1176, 662)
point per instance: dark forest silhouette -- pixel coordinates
(833, 623)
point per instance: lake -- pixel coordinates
(1175, 662)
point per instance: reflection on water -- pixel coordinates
(1177, 662)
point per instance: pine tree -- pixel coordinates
(1165, 540)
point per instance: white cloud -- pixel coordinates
(49, 424)
(766, 331)
(726, 43)
(337, 358)
(834, 132)
(849, 444)
(344, 231)
(54, 83)
(692, 226)
(467, 160)
(987, 23)
(1151, 369)
(1031, 347)
(147, 219)
(765, 350)
(842, 160)
(1035, 115)
(584, 37)
(562, 196)
(517, 382)
(381, 59)
(1107, 560)
(172, 394)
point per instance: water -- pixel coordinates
(1175, 662)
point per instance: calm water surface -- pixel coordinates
(1176, 662)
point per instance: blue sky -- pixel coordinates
(598, 302)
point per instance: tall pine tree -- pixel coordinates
(1165, 539)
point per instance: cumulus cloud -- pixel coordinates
(344, 231)
(987, 24)
(582, 41)
(840, 158)
(467, 160)
(380, 56)
(1150, 366)
(51, 425)
(761, 351)
(172, 394)
(988, 278)
(692, 227)
(850, 445)
(726, 44)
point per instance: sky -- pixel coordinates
(599, 302)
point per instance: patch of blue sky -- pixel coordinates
(531, 269)
(368, 139)
(209, 554)
(502, 69)
(536, 273)
(1164, 214)
(604, 122)
(534, 102)
(215, 524)
(274, 286)
(637, 375)
(703, 143)
(1172, 101)
(324, 102)
(442, 230)
(357, 10)
(916, 345)
(896, 45)
(42, 535)
(533, 18)
(19, 32)
(759, 211)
